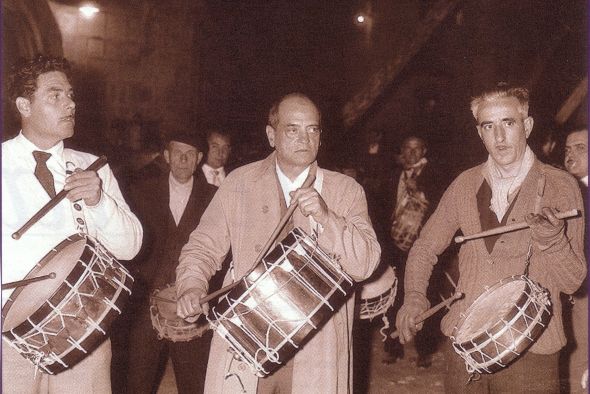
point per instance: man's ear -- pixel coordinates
(167, 156)
(528, 125)
(270, 134)
(199, 157)
(479, 132)
(24, 106)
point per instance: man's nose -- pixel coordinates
(499, 133)
(303, 135)
(70, 103)
(183, 157)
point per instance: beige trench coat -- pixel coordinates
(243, 214)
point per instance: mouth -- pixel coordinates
(69, 118)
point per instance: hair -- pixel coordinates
(222, 132)
(502, 90)
(410, 136)
(273, 113)
(576, 130)
(22, 79)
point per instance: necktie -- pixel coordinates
(42, 172)
(216, 180)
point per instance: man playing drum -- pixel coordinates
(243, 214)
(34, 165)
(511, 186)
(169, 207)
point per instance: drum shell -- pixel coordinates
(378, 293)
(77, 317)
(173, 329)
(496, 347)
(271, 320)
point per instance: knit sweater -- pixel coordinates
(560, 268)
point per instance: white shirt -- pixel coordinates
(213, 177)
(287, 186)
(584, 180)
(179, 195)
(110, 221)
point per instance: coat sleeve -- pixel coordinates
(205, 250)
(563, 263)
(348, 232)
(435, 237)
(115, 226)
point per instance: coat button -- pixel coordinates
(77, 207)
(265, 209)
(80, 221)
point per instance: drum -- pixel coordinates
(280, 304)
(378, 293)
(501, 324)
(167, 323)
(56, 323)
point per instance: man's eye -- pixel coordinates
(314, 130)
(509, 123)
(487, 126)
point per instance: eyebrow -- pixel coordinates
(490, 122)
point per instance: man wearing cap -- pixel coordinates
(169, 207)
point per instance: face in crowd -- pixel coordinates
(504, 127)
(576, 153)
(412, 151)
(48, 115)
(219, 150)
(182, 159)
(295, 134)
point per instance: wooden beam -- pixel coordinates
(377, 83)
(572, 102)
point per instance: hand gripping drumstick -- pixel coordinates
(425, 315)
(24, 282)
(98, 163)
(308, 182)
(512, 227)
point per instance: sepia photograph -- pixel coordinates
(294, 196)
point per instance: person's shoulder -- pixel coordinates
(561, 178)
(468, 177)
(339, 179)
(246, 171)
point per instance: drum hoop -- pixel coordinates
(50, 362)
(188, 330)
(483, 339)
(49, 256)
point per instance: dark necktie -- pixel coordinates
(42, 172)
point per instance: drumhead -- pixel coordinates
(25, 300)
(167, 310)
(489, 308)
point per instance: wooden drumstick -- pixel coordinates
(308, 182)
(425, 315)
(512, 227)
(24, 282)
(98, 163)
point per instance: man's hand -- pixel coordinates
(84, 185)
(311, 203)
(189, 307)
(546, 228)
(405, 320)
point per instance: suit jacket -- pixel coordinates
(163, 239)
(243, 215)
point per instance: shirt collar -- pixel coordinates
(210, 169)
(584, 180)
(287, 186)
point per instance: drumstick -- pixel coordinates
(512, 227)
(155, 297)
(425, 315)
(308, 182)
(98, 163)
(24, 282)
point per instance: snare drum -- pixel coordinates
(501, 324)
(378, 294)
(165, 320)
(57, 323)
(281, 303)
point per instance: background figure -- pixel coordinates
(245, 211)
(218, 151)
(413, 192)
(502, 190)
(170, 207)
(576, 307)
(41, 90)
